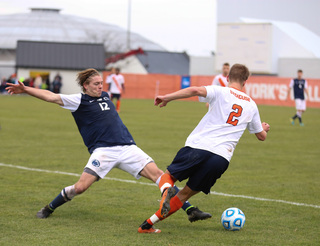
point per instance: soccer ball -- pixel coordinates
(233, 219)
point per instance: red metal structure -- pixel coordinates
(118, 57)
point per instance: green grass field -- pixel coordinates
(40, 135)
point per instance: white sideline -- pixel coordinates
(142, 183)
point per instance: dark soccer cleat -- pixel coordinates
(195, 214)
(145, 227)
(165, 201)
(44, 213)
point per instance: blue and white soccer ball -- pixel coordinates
(233, 219)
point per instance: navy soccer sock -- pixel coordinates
(58, 201)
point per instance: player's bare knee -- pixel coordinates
(80, 188)
(151, 171)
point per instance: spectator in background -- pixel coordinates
(3, 84)
(21, 79)
(299, 86)
(57, 83)
(37, 81)
(13, 79)
(44, 85)
(48, 83)
(116, 85)
(26, 82)
(31, 82)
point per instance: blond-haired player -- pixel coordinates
(108, 140)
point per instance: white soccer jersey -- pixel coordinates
(116, 82)
(220, 80)
(230, 112)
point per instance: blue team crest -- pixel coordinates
(96, 163)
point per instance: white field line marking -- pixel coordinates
(152, 184)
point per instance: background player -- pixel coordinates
(299, 86)
(106, 137)
(209, 148)
(116, 85)
(222, 79)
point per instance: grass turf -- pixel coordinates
(35, 134)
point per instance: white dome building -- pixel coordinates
(49, 25)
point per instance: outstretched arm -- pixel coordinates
(184, 93)
(44, 95)
(263, 135)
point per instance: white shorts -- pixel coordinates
(300, 104)
(129, 158)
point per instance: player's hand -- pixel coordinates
(160, 101)
(15, 88)
(265, 126)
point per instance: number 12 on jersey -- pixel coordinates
(232, 119)
(104, 106)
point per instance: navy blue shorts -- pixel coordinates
(202, 168)
(117, 96)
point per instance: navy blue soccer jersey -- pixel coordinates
(98, 121)
(298, 86)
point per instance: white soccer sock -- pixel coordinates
(68, 193)
(154, 219)
(158, 180)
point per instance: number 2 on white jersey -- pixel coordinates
(234, 114)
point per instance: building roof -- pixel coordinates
(49, 25)
(165, 62)
(52, 55)
(303, 36)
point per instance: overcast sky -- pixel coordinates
(304, 12)
(178, 25)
